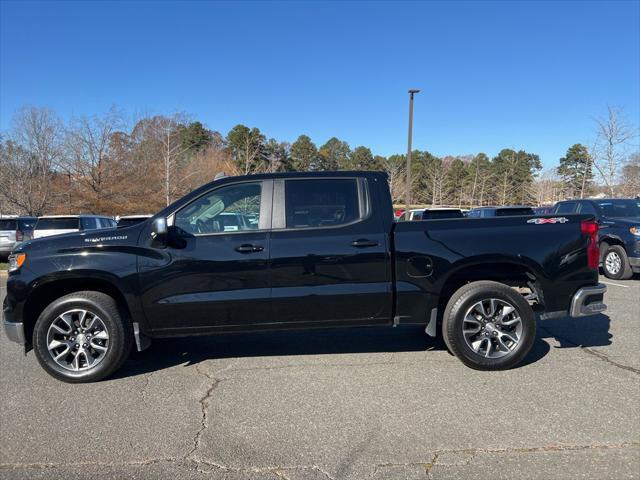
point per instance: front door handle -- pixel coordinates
(363, 243)
(248, 248)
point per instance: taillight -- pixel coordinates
(590, 227)
(19, 236)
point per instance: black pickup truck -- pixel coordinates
(298, 250)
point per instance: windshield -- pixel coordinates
(620, 208)
(57, 224)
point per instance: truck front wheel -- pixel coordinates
(81, 337)
(489, 326)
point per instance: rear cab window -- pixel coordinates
(322, 203)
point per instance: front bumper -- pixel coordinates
(15, 332)
(588, 301)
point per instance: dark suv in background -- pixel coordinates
(619, 233)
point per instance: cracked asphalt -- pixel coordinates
(377, 403)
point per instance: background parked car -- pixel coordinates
(128, 220)
(439, 213)
(13, 230)
(618, 235)
(507, 211)
(59, 224)
(413, 214)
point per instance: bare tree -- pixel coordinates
(394, 166)
(612, 145)
(87, 145)
(28, 158)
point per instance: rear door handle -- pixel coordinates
(363, 243)
(248, 248)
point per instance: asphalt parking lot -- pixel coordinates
(365, 403)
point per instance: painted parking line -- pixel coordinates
(616, 284)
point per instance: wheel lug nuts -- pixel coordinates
(77, 345)
(84, 345)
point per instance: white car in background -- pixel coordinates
(58, 224)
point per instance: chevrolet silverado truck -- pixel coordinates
(298, 250)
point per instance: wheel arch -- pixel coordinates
(608, 241)
(506, 271)
(48, 291)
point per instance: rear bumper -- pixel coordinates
(588, 301)
(15, 331)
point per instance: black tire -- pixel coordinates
(119, 331)
(464, 299)
(613, 253)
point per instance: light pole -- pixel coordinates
(408, 187)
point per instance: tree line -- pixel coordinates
(104, 164)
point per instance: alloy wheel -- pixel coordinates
(492, 328)
(77, 340)
(613, 263)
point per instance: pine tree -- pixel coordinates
(575, 169)
(304, 154)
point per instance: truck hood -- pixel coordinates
(627, 221)
(104, 236)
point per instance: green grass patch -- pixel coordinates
(4, 266)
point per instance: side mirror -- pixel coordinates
(159, 227)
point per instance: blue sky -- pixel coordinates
(528, 75)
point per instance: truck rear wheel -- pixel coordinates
(615, 263)
(81, 337)
(489, 326)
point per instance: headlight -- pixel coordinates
(16, 261)
(635, 231)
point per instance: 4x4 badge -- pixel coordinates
(541, 221)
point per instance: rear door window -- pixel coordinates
(322, 202)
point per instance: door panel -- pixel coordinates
(329, 264)
(214, 273)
